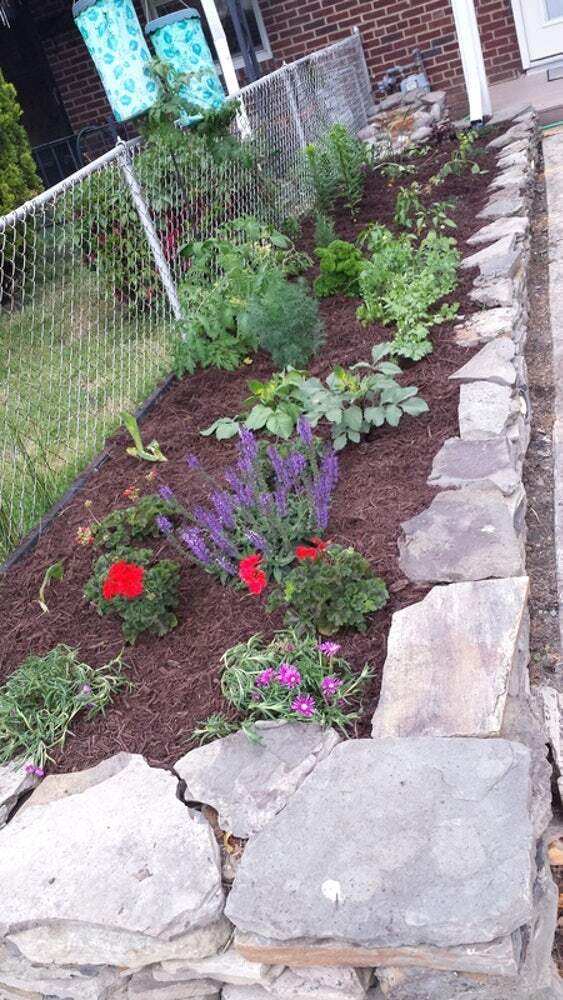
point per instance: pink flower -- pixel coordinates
(265, 678)
(288, 675)
(329, 648)
(330, 685)
(304, 705)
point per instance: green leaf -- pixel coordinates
(53, 572)
(375, 415)
(281, 424)
(354, 436)
(218, 427)
(414, 407)
(393, 415)
(353, 418)
(258, 417)
(389, 368)
(340, 442)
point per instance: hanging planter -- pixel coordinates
(115, 41)
(178, 40)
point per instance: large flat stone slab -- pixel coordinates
(493, 292)
(308, 984)
(227, 967)
(495, 362)
(500, 957)
(484, 326)
(482, 463)
(508, 201)
(450, 660)
(396, 842)
(466, 534)
(485, 410)
(514, 176)
(108, 868)
(522, 130)
(517, 225)
(248, 783)
(143, 986)
(497, 260)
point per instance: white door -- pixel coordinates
(540, 29)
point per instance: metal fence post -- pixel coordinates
(368, 89)
(145, 219)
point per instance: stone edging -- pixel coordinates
(416, 858)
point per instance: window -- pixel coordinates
(554, 9)
(254, 17)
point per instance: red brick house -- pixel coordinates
(42, 53)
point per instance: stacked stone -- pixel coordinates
(406, 119)
(408, 866)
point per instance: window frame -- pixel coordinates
(263, 51)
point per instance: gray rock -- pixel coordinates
(494, 363)
(464, 535)
(451, 862)
(473, 629)
(510, 202)
(480, 463)
(122, 880)
(248, 783)
(434, 97)
(484, 326)
(516, 225)
(436, 112)
(498, 260)
(423, 118)
(390, 102)
(499, 957)
(551, 702)
(513, 177)
(523, 723)
(366, 133)
(485, 409)
(59, 786)
(14, 784)
(227, 967)
(308, 984)
(519, 159)
(143, 986)
(20, 979)
(491, 292)
(521, 130)
(422, 133)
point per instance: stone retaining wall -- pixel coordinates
(410, 866)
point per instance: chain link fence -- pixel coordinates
(89, 272)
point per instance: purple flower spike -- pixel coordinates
(166, 493)
(329, 686)
(304, 705)
(192, 461)
(288, 675)
(305, 432)
(193, 538)
(224, 508)
(226, 565)
(257, 540)
(85, 689)
(248, 445)
(265, 678)
(164, 524)
(329, 648)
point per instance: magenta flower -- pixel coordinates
(85, 689)
(304, 705)
(288, 675)
(330, 685)
(255, 696)
(39, 772)
(29, 769)
(265, 678)
(289, 647)
(328, 648)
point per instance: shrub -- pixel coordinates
(144, 596)
(274, 499)
(122, 528)
(18, 174)
(341, 265)
(332, 588)
(284, 321)
(336, 169)
(41, 698)
(324, 231)
(293, 677)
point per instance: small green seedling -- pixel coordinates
(149, 453)
(53, 572)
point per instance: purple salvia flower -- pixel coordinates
(257, 540)
(294, 467)
(243, 492)
(280, 497)
(276, 460)
(265, 502)
(192, 461)
(166, 493)
(248, 445)
(329, 648)
(304, 705)
(164, 524)
(265, 678)
(226, 565)
(288, 675)
(323, 486)
(305, 432)
(193, 538)
(222, 502)
(329, 686)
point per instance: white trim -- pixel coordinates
(472, 60)
(521, 34)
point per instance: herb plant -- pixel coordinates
(341, 264)
(284, 321)
(324, 231)
(276, 406)
(273, 499)
(293, 677)
(143, 594)
(41, 698)
(411, 213)
(337, 170)
(122, 528)
(460, 160)
(332, 589)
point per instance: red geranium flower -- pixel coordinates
(311, 552)
(250, 573)
(123, 580)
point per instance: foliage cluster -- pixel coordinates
(341, 264)
(19, 180)
(123, 528)
(336, 170)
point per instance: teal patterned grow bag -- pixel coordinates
(116, 43)
(178, 39)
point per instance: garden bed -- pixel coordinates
(383, 482)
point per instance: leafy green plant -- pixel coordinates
(337, 589)
(122, 528)
(337, 170)
(53, 572)
(460, 160)
(149, 605)
(18, 174)
(284, 321)
(353, 403)
(41, 698)
(275, 407)
(324, 230)
(323, 178)
(394, 170)
(402, 280)
(148, 453)
(293, 677)
(411, 213)
(341, 264)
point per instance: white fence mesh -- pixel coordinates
(86, 322)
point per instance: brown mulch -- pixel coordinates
(382, 483)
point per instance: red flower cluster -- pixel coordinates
(123, 580)
(311, 552)
(251, 574)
